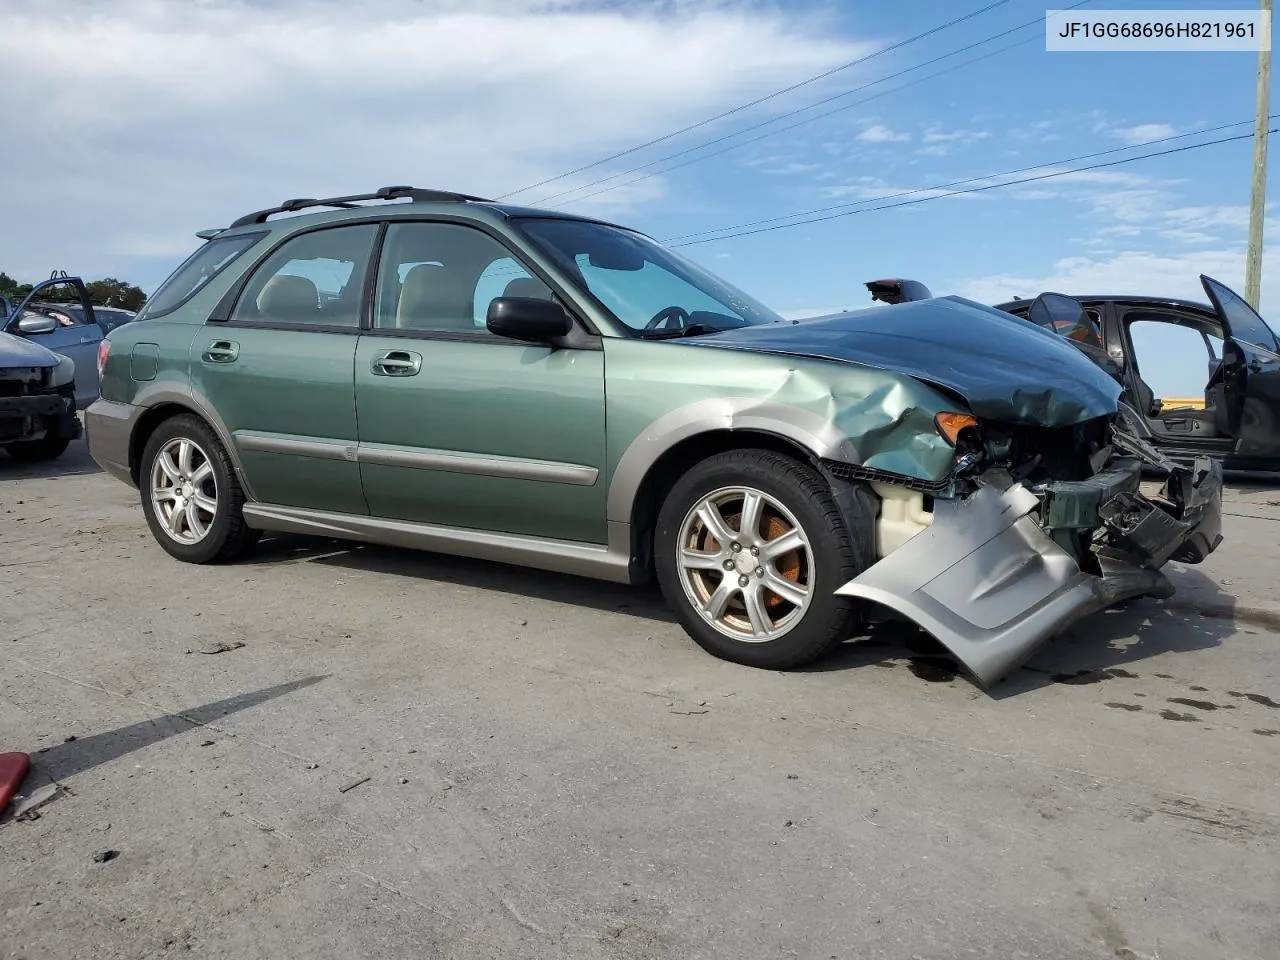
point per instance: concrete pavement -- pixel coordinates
(414, 756)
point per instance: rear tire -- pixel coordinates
(191, 495)
(754, 601)
(33, 451)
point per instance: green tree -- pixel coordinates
(111, 292)
(12, 289)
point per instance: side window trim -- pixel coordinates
(585, 335)
(222, 313)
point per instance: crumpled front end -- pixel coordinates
(30, 407)
(1038, 532)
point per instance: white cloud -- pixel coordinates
(1144, 132)
(879, 133)
(150, 119)
(950, 136)
(1136, 272)
(939, 143)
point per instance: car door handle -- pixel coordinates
(221, 351)
(396, 363)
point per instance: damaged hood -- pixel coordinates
(1005, 368)
(17, 352)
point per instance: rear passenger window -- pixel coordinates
(314, 278)
(201, 267)
(443, 276)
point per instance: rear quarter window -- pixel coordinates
(196, 273)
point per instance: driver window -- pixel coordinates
(1172, 359)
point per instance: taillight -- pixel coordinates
(104, 348)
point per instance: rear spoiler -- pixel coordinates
(897, 290)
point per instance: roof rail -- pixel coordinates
(413, 194)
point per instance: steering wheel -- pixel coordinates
(671, 318)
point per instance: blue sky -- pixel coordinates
(165, 118)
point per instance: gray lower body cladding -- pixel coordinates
(991, 582)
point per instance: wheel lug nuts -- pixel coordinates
(743, 581)
(755, 551)
(728, 564)
(735, 547)
(760, 572)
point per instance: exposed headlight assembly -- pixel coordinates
(63, 373)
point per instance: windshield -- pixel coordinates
(643, 284)
(1240, 319)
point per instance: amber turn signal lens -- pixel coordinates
(950, 425)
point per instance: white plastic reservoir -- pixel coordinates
(902, 516)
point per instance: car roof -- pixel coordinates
(1125, 299)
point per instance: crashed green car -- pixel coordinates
(461, 376)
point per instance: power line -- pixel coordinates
(764, 99)
(791, 126)
(957, 183)
(956, 193)
(790, 113)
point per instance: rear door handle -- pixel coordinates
(221, 351)
(396, 363)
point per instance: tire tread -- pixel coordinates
(799, 646)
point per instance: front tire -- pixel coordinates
(34, 451)
(190, 494)
(750, 548)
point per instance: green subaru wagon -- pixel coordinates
(434, 370)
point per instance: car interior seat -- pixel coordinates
(527, 288)
(1147, 403)
(289, 298)
(433, 298)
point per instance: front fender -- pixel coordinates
(814, 433)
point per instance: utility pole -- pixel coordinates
(1258, 201)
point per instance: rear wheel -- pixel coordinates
(750, 548)
(190, 493)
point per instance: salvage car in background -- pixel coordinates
(108, 318)
(1235, 352)
(1225, 344)
(74, 331)
(560, 392)
(37, 400)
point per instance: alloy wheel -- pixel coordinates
(184, 490)
(745, 563)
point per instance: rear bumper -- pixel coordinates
(108, 432)
(989, 580)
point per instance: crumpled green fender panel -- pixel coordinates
(662, 393)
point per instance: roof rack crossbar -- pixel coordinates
(413, 194)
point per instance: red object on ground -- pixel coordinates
(13, 770)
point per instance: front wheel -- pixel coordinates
(190, 493)
(750, 548)
(33, 451)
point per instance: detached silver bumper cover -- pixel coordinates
(991, 584)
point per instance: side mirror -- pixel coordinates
(1065, 316)
(1056, 312)
(37, 324)
(526, 318)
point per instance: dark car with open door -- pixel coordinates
(1225, 344)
